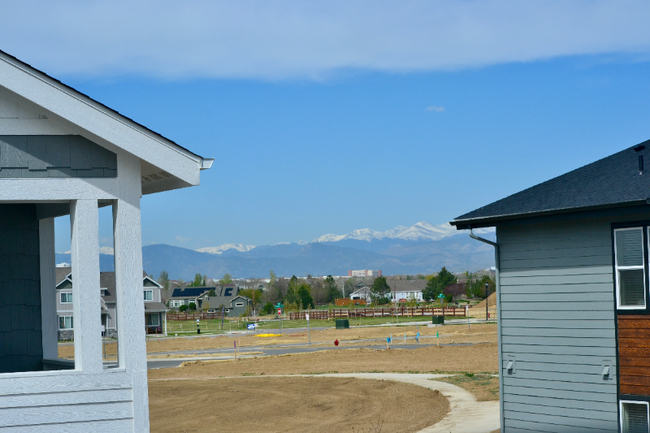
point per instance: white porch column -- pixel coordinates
(128, 279)
(165, 319)
(49, 321)
(86, 303)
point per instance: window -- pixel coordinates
(630, 268)
(66, 298)
(148, 295)
(65, 322)
(153, 320)
(634, 417)
(239, 304)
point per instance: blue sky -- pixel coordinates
(326, 117)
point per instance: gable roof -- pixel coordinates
(614, 181)
(165, 165)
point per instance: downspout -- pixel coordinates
(498, 305)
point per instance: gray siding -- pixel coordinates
(557, 323)
(38, 156)
(21, 348)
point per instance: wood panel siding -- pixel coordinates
(634, 354)
(55, 156)
(70, 402)
(558, 326)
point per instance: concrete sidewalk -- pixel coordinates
(466, 414)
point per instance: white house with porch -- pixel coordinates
(62, 153)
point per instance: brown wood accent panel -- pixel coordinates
(634, 354)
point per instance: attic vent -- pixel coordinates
(640, 163)
(639, 148)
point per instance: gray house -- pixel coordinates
(233, 306)
(572, 258)
(155, 317)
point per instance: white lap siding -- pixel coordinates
(66, 402)
(557, 325)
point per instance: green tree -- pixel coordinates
(212, 293)
(227, 279)
(192, 306)
(292, 297)
(437, 284)
(254, 295)
(476, 286)
(380, 291)
(182, 308)
(331, 290)
(268, 309)
(304, 295)
(198, 281)
(163, 280)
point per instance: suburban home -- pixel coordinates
(572, 261)
(188, 295)
(154, 310)
(233, 306)
(63, 153)
(361, 294)
(406, 290)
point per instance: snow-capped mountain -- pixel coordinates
(225, 247)
(418, 231)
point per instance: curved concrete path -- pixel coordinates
(466, 414)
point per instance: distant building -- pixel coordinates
(364, 273)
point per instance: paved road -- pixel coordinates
(178, 357)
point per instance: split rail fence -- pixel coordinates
(338, 313)
(193, 316)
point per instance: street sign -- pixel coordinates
(279, 311)
(251, 326)
(307, 316)
(440, 296)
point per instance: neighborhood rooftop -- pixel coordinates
(615, 181)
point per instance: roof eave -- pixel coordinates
(493, 221)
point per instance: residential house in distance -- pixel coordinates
(63, 153)
(364, 273)
(362, 293)
(573, 274)
(405, 290)
(233, 306)
(154, 309)
(187, 295)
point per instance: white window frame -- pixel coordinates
(65, 295)
(622, 414)
(150, 293)
(64, 320)
(239, 304)
(618, 268)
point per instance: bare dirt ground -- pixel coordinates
(218, 396)
(480, 358)
(449, 334)
(298, 404)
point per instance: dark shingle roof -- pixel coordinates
(610, 182)
(190, 292)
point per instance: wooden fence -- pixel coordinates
(193, 316)
(336, 313)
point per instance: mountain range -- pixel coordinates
(419, 249)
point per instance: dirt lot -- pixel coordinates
(218, 395)
(448, 334)
(274, 404)
(479, 358)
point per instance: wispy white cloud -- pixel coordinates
(106, 250)
(180, 238)
(288, 39)
(434, 108)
